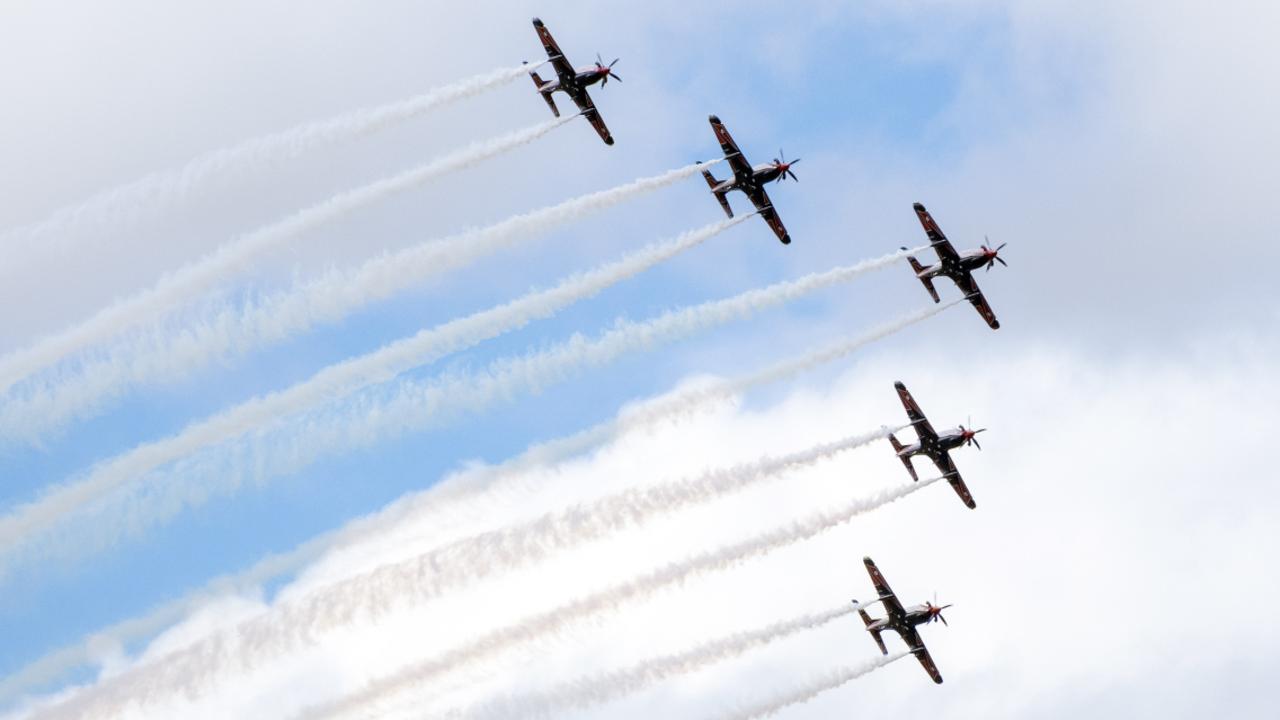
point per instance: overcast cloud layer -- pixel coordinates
(1125, 525)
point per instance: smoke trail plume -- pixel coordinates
(596, 689)
(413, 405)
(374, 594)
(48, 407)
(472, 488)
(339, 380)
(820, 684)
(159, 190)
(608, 600)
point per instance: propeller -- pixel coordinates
(969, 438)
(935, 612)
(784, 166)
(993, 254)
(606, 70)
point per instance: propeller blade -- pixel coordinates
(1001, 261)
(615, 62)
(1001, 247)
(599, 60)
(943, 619)
(974, 440)
(792, 174)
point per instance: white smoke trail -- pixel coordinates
(820, 684)
(589, 690)
(468, 489)
(190, 669)
(374, 594)
(608, 600)
(345, 378)
(156, 191)
(413, 405)
(472, 558)
(49, 407)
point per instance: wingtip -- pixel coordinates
(866, 560)
(898, 384)
(713, 118)
(918, 206)
(786, 239)
(537, 22)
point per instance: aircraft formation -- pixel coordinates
(954, 265)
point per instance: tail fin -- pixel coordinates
(875, 634)
(897, 449)
(712, 182)
(537, 82)
(928, 283)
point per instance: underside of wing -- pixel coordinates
(892, 607)
(741, 168)
(557, 58)
(926, 660)
(939, 241)
(914, 413)
(765, 207)
(589, 111)
(948, 469)
(970, 288)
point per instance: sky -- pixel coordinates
(1125, 152)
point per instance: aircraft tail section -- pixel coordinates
(927, 282)
(897, 449)
(537, 82)
(712, 182)
(875, 634)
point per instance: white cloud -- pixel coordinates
(1122, 509)
(1114, 497)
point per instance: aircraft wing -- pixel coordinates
(589, 111)
(979, 301)
(741, 168)
(939, 241)
(948, 468)
(892, 607)
(764, 206)
(921, 652)
(563, 69)
(918, 420)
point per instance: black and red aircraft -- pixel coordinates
(934, 446)
(959, 267)
(573, 83)
(901, 620)
(750, 180)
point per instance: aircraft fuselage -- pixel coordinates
(944, 443)
(761, 175)
(915, 615)
(953, 268)
(584, 78)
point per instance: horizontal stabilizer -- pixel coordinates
(712, 183)
(927, 282)
(875, 634)
(906, 460)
